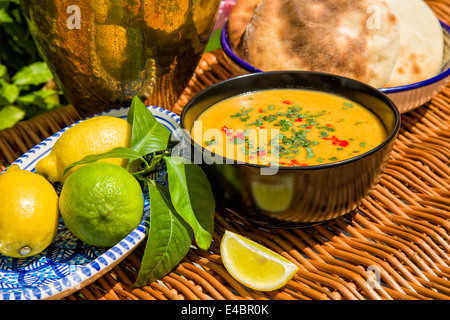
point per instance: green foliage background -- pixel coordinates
(26, 84)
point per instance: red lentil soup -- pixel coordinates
(288, 127)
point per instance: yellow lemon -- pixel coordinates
(28, 213)
(101, 203)
(254, 265)
(92, 136)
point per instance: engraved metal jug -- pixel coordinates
(102, 53)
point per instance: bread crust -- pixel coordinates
(334, 36)
(239, 19)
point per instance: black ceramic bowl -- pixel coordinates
(293, 196)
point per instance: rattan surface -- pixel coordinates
(400, 233)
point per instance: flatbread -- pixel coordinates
(359, 39)
(421, 42)
(239, 19)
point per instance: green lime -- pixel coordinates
(101, 203)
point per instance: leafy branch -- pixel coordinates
(180, 213)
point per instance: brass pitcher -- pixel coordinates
(102, 53)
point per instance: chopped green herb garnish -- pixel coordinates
(309, 153)
(211, 142)
(243, 115)
(311, 121)
(348, 104)
(329, 129)
(257, 123)
(285, 125)
(237, 140)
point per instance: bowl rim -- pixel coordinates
(444, 73)
(392, 136)
(230, 53)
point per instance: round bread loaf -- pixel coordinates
(239, 19)
(359, 39)
(421, 42)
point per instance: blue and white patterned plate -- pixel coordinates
(68, 264)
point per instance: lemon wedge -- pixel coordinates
(254, 265)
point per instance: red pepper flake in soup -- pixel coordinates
(336, 141)
(262, 153)
(343, 143)
(298, 163)
(226, 130)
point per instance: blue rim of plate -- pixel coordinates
(67, 264)
(445, 72)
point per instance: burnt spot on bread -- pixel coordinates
(392, 19)
(415, 67)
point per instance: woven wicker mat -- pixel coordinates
(400, 235)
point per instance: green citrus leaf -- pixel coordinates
(169, 238)
(192, 198)
(119, 152)
(147, 135)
